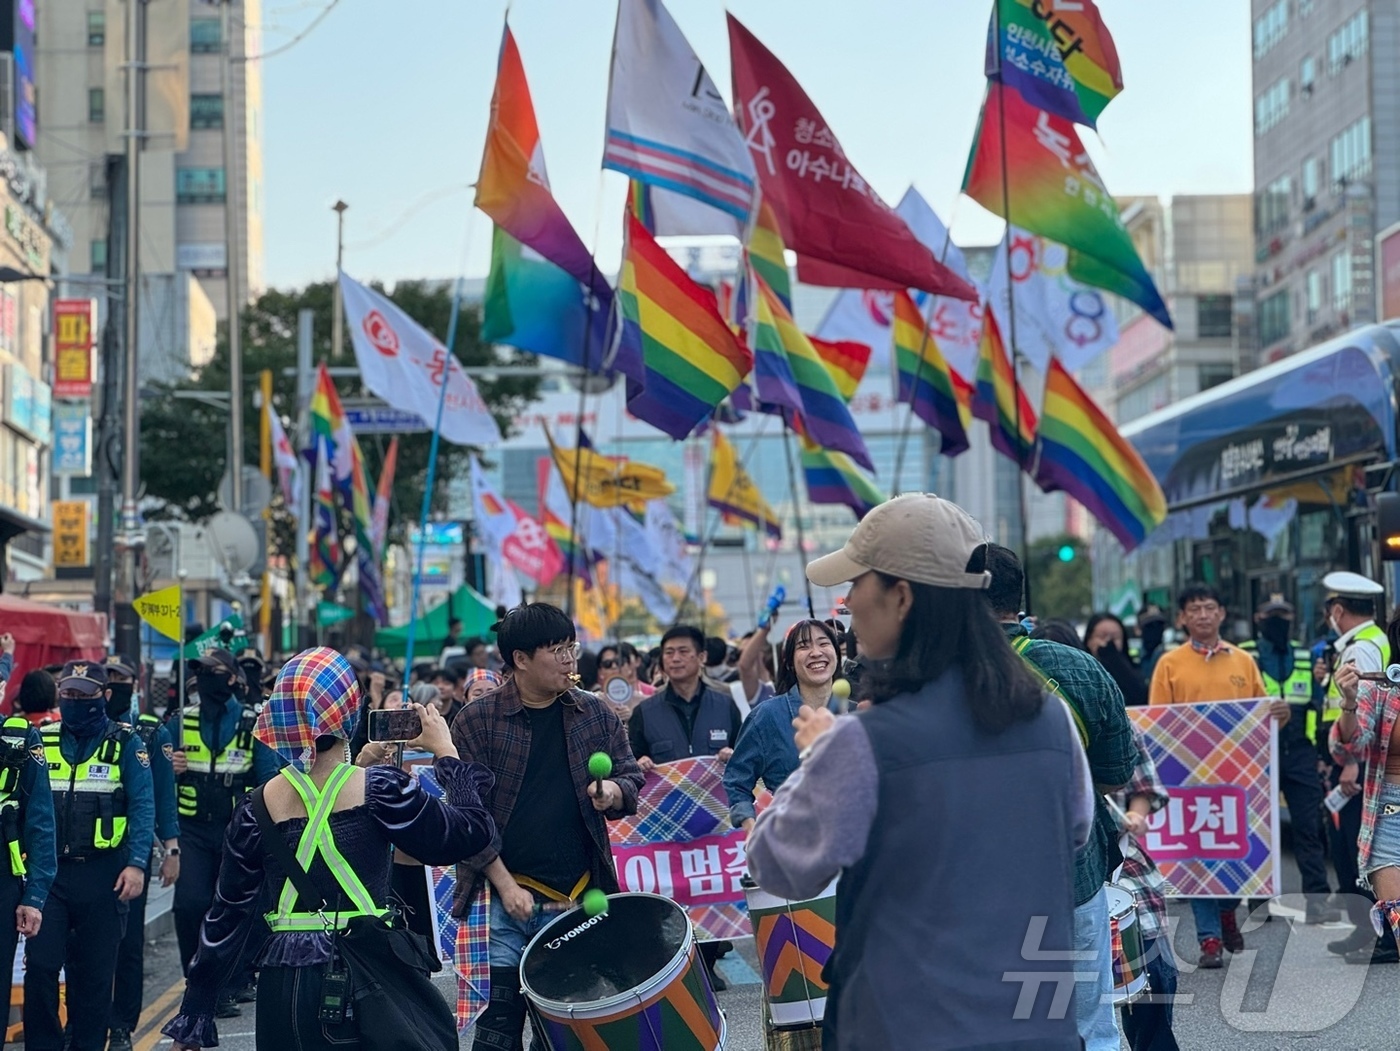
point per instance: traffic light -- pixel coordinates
(1388, 525)
(1067, 552)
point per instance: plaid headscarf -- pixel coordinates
(315, 695)
(476, 675)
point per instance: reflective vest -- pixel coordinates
(14, 739)
(1296, 689)
(317, 840)
(89, 800)
(147, 726)
(1332, 707)
(212, 784)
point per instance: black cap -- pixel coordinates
(120, 665)
(86, 677)
(218, 660)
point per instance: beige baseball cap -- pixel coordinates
(917, 537)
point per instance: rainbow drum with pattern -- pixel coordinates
(1129, 965)
(628, 980)
(794, 940)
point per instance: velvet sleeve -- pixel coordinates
(224, 931)
(435, 831)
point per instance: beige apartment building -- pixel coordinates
(184, 178)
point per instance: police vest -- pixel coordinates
(147, 726)
(317, 839)
(14, 740)
(89, 800)
(1296, 689)
(1372, 635)
(212, 784)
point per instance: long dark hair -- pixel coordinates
(801, 632)
(954, 628)
(1099, 618)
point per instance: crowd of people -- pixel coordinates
(294, 839)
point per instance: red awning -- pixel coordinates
(47, 635)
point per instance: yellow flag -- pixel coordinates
(162, 610)
(606, 481)
(733, 493)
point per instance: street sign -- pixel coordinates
(70, 533)
(331, 613)
(383, 419)
(72, 439)
(74, 325)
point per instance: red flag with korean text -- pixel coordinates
(843, 233)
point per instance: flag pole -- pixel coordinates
(797, 515)
(1011, 309)
(432, 475)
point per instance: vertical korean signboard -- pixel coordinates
(70, 534)
(74, 322)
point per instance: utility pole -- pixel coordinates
(232, 272)
(338, 315)
(127, 634)
(105, 463)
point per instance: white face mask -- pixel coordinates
(1332, 620)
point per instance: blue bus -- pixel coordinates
(1270, 482)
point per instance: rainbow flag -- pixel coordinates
(692, 360)
(1059, 57)
(832, 478)
(846, 360)
(824, 418)
(767, 255)
(1000, 399)
(1080, 452)
(733, 493)
(773, 382)
(325, 539)
(383, 497)
(1053, 189)
(925, 379)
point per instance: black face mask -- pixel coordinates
(119, 704)
(82, 716)
(1275, 631)
(213, 686)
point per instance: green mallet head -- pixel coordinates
(595, 902)
(599, 765)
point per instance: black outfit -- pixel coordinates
(545, 838)
(1125, 673)
(666, 727)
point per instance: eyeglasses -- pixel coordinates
(608, 662)
(566, 652)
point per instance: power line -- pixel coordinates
(295, 40)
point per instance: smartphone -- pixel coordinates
(398, 724)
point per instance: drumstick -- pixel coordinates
(1391, 675)
(594, 903)
(599, 767)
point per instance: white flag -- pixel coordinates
(1055, 315)
(502, 584)
(284, 460)
(630, 576)
(668, 540)
(594, 527)
(634, 541)
(669, 127)
(404, 364)
(867, 316)
(495, 522)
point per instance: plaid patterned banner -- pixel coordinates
(1218, 837)
(684, 803)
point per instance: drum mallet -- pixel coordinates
(595, 903)
(599, 767)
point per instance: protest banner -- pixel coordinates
(1218, 837)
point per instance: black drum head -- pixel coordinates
(576, 960)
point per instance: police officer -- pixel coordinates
(124, 707)
(1351, 611)
(26, 821)
(104, 810)
(254, 669)
(1287, 669)
(216, 761)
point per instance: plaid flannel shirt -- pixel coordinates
(1140, 873)
(1377, 708)
(1111, 754)
(495, 732)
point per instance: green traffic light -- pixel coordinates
(1066, 553)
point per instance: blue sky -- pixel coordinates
(385, 106)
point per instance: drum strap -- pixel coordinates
(1020, 644)
(550, 892)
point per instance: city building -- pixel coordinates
(184, 175)
(1326, 164)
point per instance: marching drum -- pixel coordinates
(1129, 967)
(794, 940)
(628, 980)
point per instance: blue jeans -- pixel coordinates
(1207, 912)
(1147, 1024)
(1093, 1000)
(509, 936)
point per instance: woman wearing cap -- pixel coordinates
(308, 721)
(765, 750)
(914, 801)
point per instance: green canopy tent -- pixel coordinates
(473, 609)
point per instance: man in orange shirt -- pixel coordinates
(1207, 668)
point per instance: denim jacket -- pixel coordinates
(765, 750)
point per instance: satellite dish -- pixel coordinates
(257, 491)
(234, 540)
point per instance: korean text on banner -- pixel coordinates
(70, 533)
(74, 322)
(1218, 836)
(161, 610)
(680, 844)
